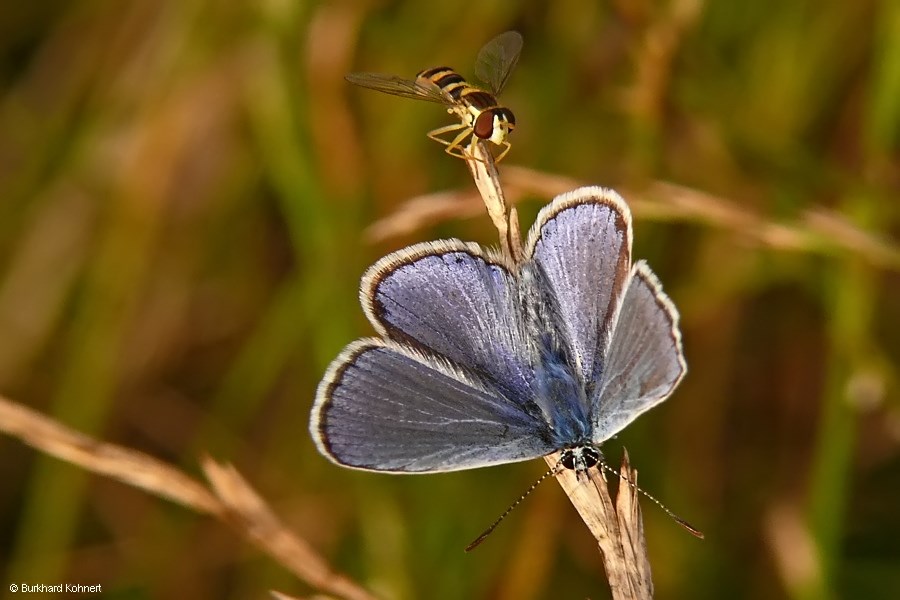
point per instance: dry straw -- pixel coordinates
(813, 231)
(226, 496)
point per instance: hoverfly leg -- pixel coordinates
(437, 133)
(466, 153)
(455, 147)
(506, 146)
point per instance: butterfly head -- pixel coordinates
(580, 458)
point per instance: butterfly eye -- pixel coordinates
(580, 459)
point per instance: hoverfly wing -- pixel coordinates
(397, 86)
(497, 59)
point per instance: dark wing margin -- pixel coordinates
(645, 362)
(384, 407)
(497, 59)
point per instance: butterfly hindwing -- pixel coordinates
(645, 361)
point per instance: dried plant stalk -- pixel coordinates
(814, 231)
(128, 466)
(231, 499)
(617, 527)
(249, 513)
(487, 180)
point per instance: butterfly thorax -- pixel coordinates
(558, 389)
(561, 396)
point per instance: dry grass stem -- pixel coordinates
(617, 527)
(487, 180)
(814, 231)
(231, 499)
(421, 211)
(252, 516)
(280, 596)
(793, 549)
(128, 466)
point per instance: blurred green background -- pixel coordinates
(184, 193)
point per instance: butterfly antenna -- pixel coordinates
(690, 528)
(493, 526)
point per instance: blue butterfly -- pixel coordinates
(480, 361)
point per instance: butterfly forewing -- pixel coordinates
(455, 300)
(582, 241)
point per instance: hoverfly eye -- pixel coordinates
(484, 125)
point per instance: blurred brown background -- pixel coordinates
(185, 192)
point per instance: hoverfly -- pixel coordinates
(481, 116)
